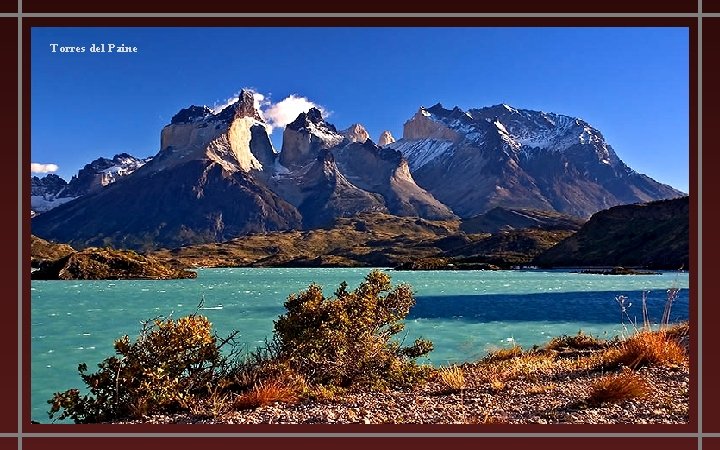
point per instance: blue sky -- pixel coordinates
(630, 83)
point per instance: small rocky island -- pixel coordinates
(61, 262)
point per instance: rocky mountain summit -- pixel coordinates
(386, 138)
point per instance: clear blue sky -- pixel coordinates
(630, 83)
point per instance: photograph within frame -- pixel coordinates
(191, 118)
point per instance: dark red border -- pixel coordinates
(8, 246)
(357, 22)
(333, 443)
(558, 443)
(368, 6)
(710, 193)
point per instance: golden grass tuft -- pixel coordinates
(504, 353)
(650, 348)
(617, 388)
(580, 341)
(527, 365)
(453, 378)
(266, 393)
(497, 385)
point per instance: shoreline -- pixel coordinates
(549, 386)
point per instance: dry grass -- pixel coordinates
(266, 393)
(580, 341)
(617, 388)
(525, 365)
(504, 354)
(650, 348)
(678, 331)
(453, 378)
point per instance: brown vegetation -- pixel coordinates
(616, 388)
(374, 240)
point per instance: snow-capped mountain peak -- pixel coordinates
(537, 159)
(51, 190)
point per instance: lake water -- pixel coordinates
(465, 313)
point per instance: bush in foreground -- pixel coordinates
(347, 339)
(319, 346)
(170, 363)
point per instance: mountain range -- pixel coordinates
(51, 191)
(217, 176)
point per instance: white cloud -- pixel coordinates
(43, 168)
(285, 111)
(276, 115)
(219, 106)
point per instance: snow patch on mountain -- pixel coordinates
(420, 152)
(42, 203)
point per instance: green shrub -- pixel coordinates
(162, 371)
(347, 340)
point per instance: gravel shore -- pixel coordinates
(544, 388)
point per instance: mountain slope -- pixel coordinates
(652, 235)
(51, 191)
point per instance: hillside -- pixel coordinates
(651, 235)
(371, 240)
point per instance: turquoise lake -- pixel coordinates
(465, 313)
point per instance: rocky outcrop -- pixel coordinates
(107, 264)
(322, 193)
(422, 126)
(102, 172)
(52, 191)
(346, 178)
(234, 138)
(385, 172)
(42, 251)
